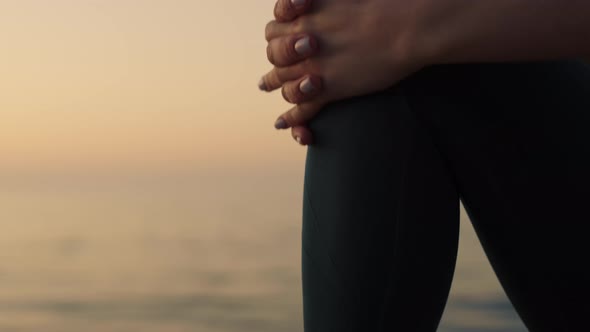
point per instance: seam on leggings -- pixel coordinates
(445, 163)
(318, 267)
(338, 284)
(392, 276)
(421, 122)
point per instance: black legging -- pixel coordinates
(384, 178)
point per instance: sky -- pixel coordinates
(129, 85)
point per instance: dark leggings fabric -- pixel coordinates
(383, 181)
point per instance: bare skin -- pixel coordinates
(376, 58)
(336, 49)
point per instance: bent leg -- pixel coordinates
(517, 137)
(380, 220)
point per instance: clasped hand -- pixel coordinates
(331, 50)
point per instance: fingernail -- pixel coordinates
(306, 86)
(298, 3)
(281, 124)
(262, 84)
(298, 139)
(303, 46)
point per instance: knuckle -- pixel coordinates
(283, 11)
(276, 8)
(269, 54)
(300, 24)
(285, 94)
(291, 93)
(288, 49)
(269, 30)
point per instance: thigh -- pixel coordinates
(380, 220)
(517, 137)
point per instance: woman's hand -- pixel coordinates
(335, 49)
(340, 49)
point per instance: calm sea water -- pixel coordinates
(186, 253)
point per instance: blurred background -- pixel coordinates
(142, 184)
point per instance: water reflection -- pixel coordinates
(202, 254)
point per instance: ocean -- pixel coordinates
(179, 253)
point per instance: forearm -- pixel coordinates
(505, 30)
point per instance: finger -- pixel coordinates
(276, 29)
(298, 115)
(279, 76)
(302, 90)
(288, 10)
(288, 50)
(302, 135)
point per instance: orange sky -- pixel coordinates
(128, 84)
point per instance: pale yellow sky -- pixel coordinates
(128, 84)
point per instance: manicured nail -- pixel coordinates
(281, 124)
(306, 86)
(303, 46)
(298, 3)
(262, 84)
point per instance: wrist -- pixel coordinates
(454, 31)
(460, 31)
(457, 31)
(421, 41)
